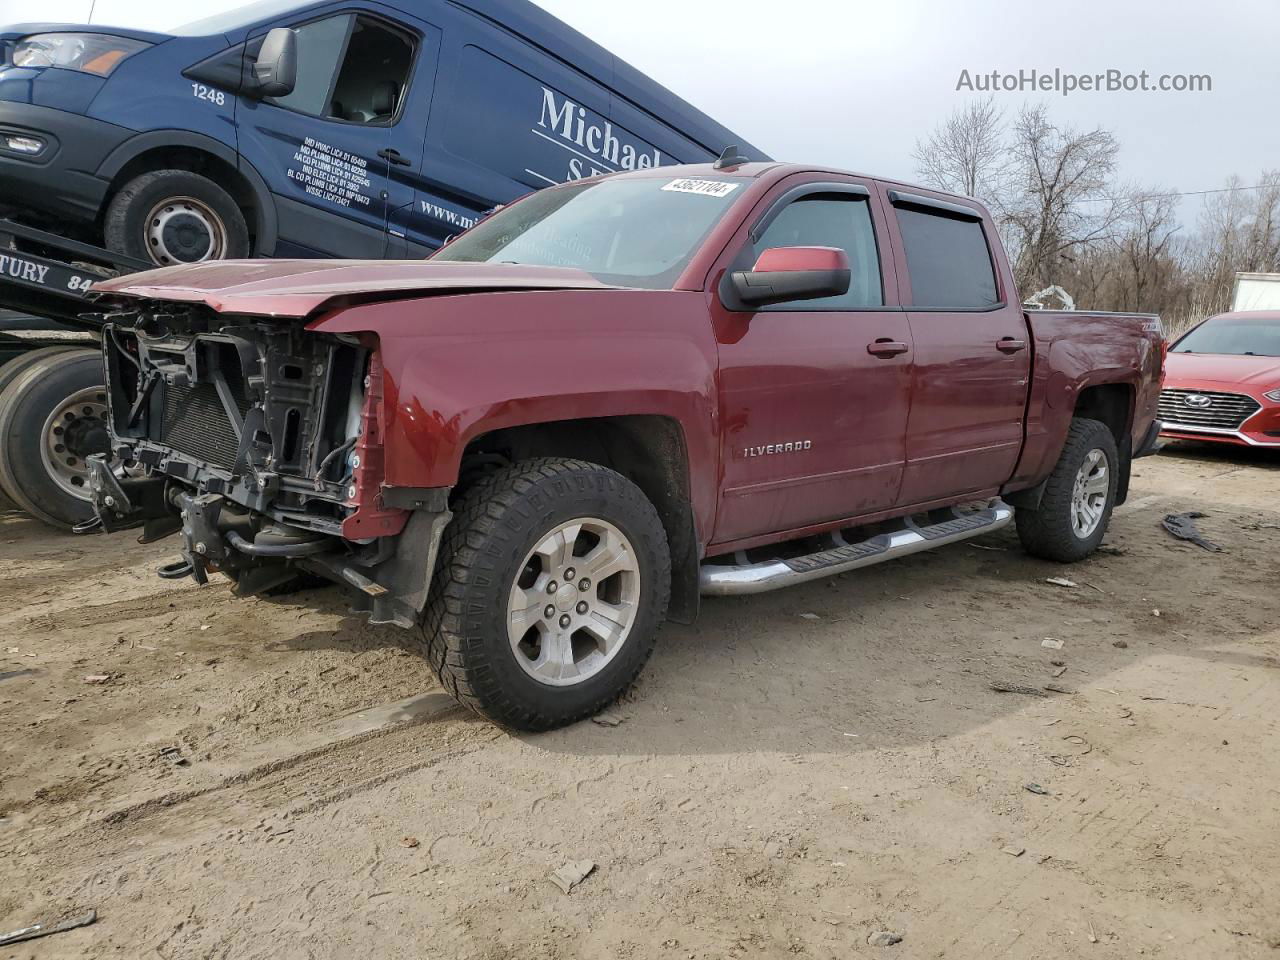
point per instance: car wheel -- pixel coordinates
(52, 417)
(553, 578)
(1078, 497)
(170, 217)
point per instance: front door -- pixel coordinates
(327, 148)
(814, 395)
(972, 354)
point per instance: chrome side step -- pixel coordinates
(717, 580)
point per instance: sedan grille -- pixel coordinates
(1206, 409)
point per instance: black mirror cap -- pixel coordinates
(762, 289)
(275, 71)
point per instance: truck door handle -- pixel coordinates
(884, 347)
(392, 155)
(1010, 345)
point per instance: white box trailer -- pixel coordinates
(1256, 291)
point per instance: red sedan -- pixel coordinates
(1223, 381)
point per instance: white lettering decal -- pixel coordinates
(707, 188)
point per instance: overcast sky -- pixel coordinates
(854, 84)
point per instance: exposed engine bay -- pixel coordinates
(260, 443)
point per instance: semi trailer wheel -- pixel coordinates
(174, 216)
(553, 578)
(52, 417)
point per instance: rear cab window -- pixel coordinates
(949, 262)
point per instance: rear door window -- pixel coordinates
(948, 260)
(827, 220)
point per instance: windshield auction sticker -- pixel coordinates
(708, 188)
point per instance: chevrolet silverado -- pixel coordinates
(609, 399)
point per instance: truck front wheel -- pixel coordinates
(553, 578)
(53, 416)
(170, 217)
(1078, 497)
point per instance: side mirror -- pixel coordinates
(275, 71)
(784, 274)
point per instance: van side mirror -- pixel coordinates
(275, 71)
(784, 274)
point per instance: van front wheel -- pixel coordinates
(170, 217)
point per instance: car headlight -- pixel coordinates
(1273, 395)
(94, 53)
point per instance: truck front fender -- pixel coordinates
(458, 367)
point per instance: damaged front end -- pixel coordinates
(260, 442)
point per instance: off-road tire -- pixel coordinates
(125, 229)
(1047, 531)
(495, 525)
(9, 372)
(25, 404)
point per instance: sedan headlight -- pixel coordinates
(1273, 395)
(94, 53)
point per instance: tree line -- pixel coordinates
(1068, 222)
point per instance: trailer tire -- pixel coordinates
(175, 216)
(1078, 497)
(514, 633)
(9, 372)
(41, 391)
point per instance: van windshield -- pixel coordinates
(629, 232)
(235, 18)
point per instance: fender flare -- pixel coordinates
(266, 224)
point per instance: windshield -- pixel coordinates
(1239, 336)
(235, 18)
(629, 232)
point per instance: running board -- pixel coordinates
(730, 580)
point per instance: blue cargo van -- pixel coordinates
(368, 128)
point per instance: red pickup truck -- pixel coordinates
(610, 398)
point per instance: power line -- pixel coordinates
(1161, 196)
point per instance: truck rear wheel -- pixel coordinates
(174, 216)
(52, 416)
(1078, 497)
(9, 372)
(553, 578)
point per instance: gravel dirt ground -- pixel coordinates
(273, 778)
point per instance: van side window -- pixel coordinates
(350, 68)
(827, 220)
(948, 261)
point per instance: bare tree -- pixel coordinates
(1058, 202)
(966, 152)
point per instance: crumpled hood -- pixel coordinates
(300, 288)
(1187, 369)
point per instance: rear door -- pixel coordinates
(972, 351)
(814, 395)
(334, 149)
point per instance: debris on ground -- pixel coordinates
(1036, 789)
(609, 718)
(572, 874)
(1061, 582)
(809, 616)
(1051, 643)
(45, 929)
(1120, 644)
(1000, 686)
(1183, 526)
(1057, 688)
(883, 938)
(98, 678)
(1060, 671)
(409, 842)
(174, 756)
(1013, 851)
